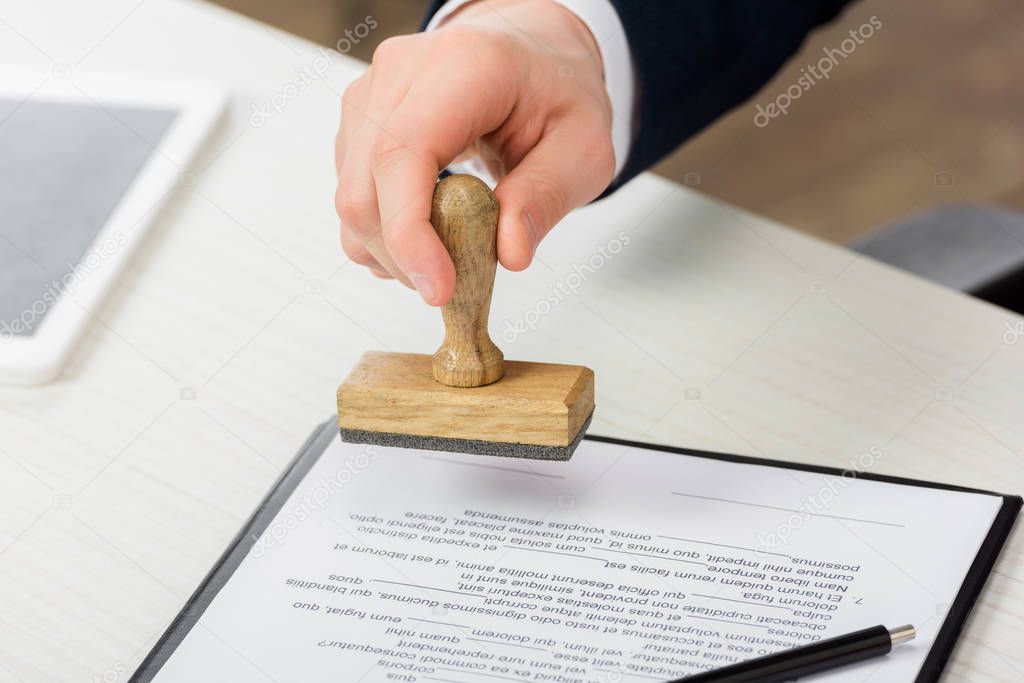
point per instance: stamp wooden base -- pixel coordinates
(542, 404)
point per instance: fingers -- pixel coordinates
(438, 117)
(383, 199)
(356, 249)
(570, 166)
(361, 237)
(426, 100)
(404, 174)
(405, 181)
(356, 197)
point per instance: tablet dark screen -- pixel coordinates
(63, 169)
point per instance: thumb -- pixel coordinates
(563, 171)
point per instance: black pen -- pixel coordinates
(804, 661)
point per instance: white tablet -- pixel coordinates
(86, 162)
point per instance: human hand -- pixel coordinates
(518, 83)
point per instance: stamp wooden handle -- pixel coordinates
(465, 215)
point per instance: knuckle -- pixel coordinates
(349, 100)
(389, 50)
(353, 204)
(355, 90)
(492, 54)
(474, 40)
(459, 38)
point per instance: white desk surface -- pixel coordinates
(118, 491)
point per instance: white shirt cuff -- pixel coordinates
(619, 77)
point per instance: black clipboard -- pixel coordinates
(323, 435)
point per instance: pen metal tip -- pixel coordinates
(902, 634)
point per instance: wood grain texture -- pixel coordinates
(543, 404)
(464, 213)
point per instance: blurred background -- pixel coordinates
(926, 113)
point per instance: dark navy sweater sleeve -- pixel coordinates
(697, 59)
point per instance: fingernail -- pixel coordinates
(423, 285)
(531, 227)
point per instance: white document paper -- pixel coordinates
(624, 564)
